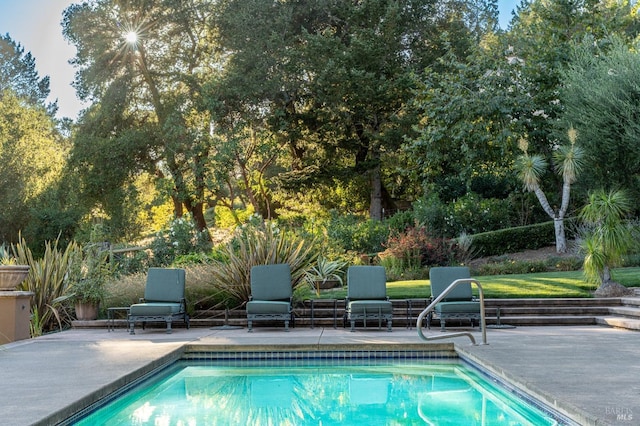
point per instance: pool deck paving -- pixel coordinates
(589, 373)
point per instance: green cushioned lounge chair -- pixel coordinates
(367, 296)
(459, 303)
(163, 299)
(271, 295)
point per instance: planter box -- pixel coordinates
(86, 311)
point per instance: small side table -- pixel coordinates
(409, 302)
(111, 319)
(335, 310)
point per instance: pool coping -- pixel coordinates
(589, 371)
(565, 409)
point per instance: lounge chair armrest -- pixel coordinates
(141, 300)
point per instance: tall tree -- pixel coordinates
(142, 63)
(601, 95)
(473, 106)
(18, 73)
(31, 160)
(542, 35)
(333, 77)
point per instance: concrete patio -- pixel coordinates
(590, 373)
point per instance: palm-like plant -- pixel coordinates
(608, 237)
(569, 160)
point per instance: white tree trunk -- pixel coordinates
(558, 218)
(561, 241)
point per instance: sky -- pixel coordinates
(35, 24)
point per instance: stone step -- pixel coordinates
(619, 322)
(545, 320)
(630, 301)
(582, 302)
(625, 311)
(423, 302)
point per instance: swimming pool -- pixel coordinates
(321, 389)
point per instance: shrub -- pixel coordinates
(512, 267)
(353, 233)
(473, 215)
(429, 211)
(89, 271)
(181, 238)
(515, 239)
(414, 249)
(502, 265)
(131, 261)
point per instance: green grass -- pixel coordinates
(537, 285)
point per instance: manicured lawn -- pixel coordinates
(539, 285)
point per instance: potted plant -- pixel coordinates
(11, 274)
(89, 272)
(326, 274)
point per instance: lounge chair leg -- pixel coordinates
(250, 326)
(286, 326)
(169, 326)
(389, 325)
(131, 325)
(442, 329)
(353, 326)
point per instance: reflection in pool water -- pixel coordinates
(434, 393)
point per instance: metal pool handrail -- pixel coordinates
(438, 299)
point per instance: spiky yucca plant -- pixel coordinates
(260, 243)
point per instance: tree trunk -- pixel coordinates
(375, 208)
(197, 213)
(606, 274)
(561, 241)
(558, 220)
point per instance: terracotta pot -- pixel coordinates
(12, 275)
(86, 311)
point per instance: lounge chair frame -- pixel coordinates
(367, 296)
(459, 303)
(163, 299)
(271, 295)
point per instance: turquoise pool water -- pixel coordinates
(384, 393)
